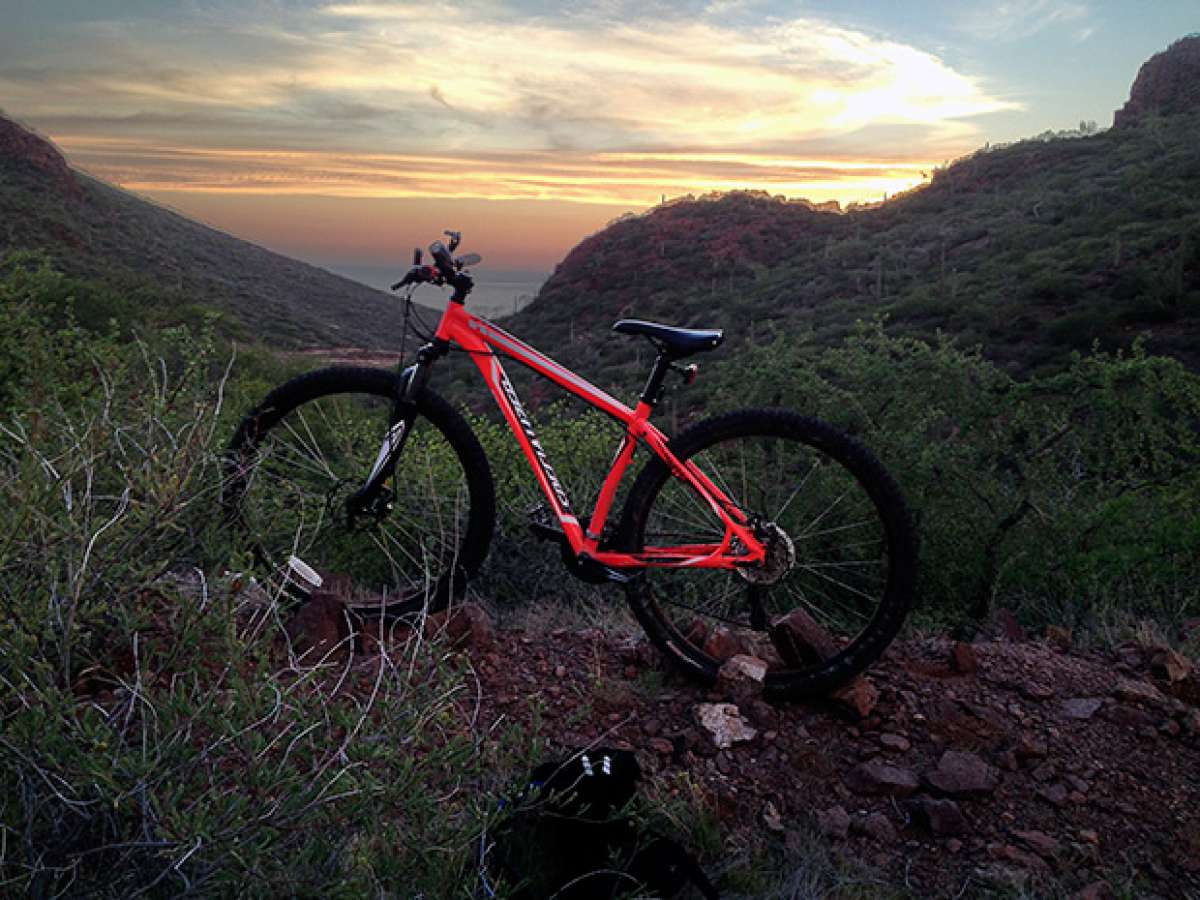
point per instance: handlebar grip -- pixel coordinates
(445, 262)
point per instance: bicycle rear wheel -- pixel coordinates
(841, 555)
(297, 457)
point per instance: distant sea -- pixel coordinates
(497, 292)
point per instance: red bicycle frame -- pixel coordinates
(485, 341)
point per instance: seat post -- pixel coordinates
(654, 384)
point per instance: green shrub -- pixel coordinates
(1077, 491)
(157, 736)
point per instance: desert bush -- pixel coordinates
(1075, 493)
(157, 734)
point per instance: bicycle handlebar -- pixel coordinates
(446, 269)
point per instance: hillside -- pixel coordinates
(94, 230)
(1032, 251)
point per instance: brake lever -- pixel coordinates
(419, 275)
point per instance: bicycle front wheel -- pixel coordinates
(311, 444)
(841, 556)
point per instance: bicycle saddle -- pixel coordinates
(677, 342)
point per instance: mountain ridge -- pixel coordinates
(1033, 251)
(93, 229)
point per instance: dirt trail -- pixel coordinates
(993, 763)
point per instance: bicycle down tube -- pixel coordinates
(482, 339)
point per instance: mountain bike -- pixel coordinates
(758, 531)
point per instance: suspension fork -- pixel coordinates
(374, 498)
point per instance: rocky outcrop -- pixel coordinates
(1167, 84)
(22, 146)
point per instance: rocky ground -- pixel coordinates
(956, 768)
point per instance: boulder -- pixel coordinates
(963, 774)
(1141, 692)
(1081, 707)
(721, 643)
(962, 657)
(859, 696)
(740, 679)
(1167, 84)
(800, 639)
(877, 777)
(465, 625)
(322, 630)
(1038, 841)
(724, 724)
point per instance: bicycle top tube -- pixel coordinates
(479, 336)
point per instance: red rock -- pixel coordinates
(661, 746)
(834, 822)
(1036, 691)
(1018, 856)
(942, 817)
(1060, 637)
(1030, 746)
(800, 639)
(1167, 84)
(1138, 692)
(963, 774)
(696, 633)
(1054, 794)
(740, 678)
(1172, 665)
(721, 644)
(29, 149)
(1081, 707)
(963, 658)
(859, 696)
(1038, 841)
(724, 723)
(465, 625)
(1010, 629)
(877, 777)
(321, 630)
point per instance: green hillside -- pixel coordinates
(1031, 251)
(170, 268)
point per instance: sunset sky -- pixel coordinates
(344, 132)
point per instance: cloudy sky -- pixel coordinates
(342, 131)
